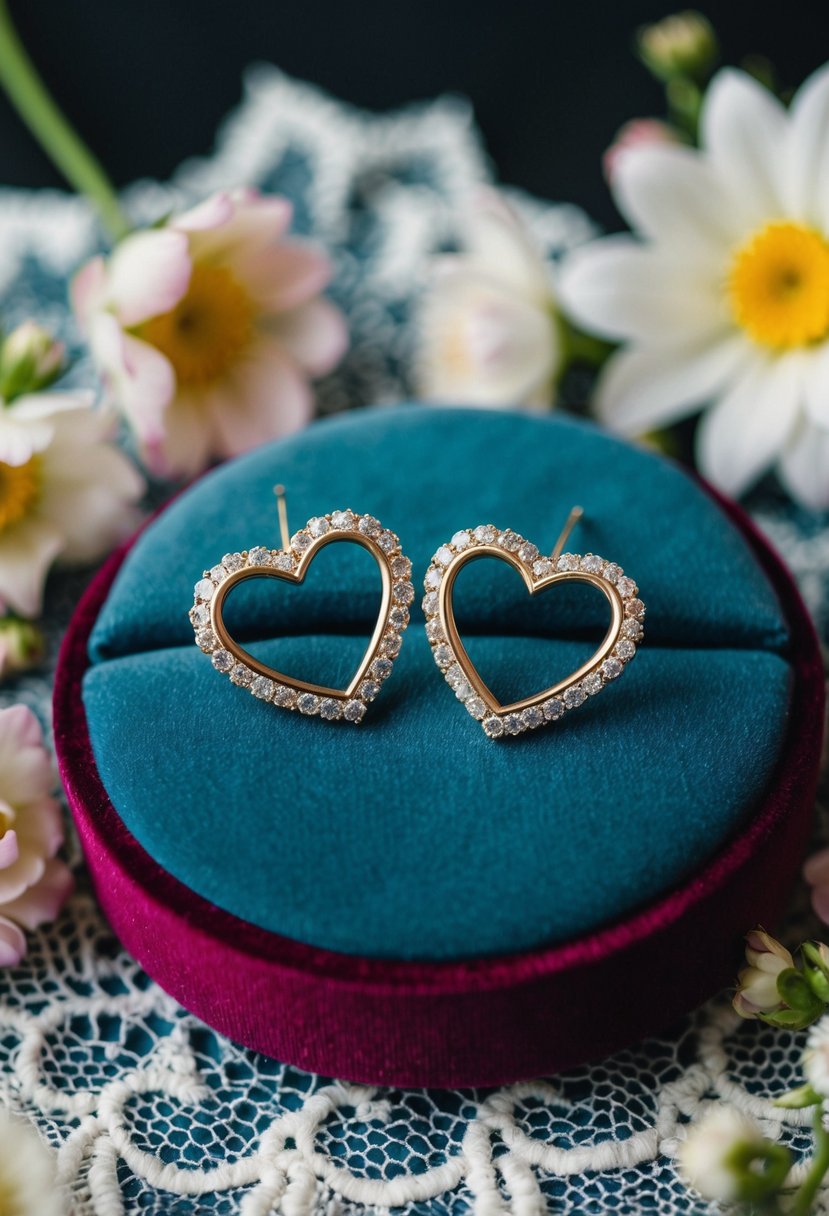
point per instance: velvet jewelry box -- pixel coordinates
(406, 901)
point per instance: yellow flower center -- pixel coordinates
(19, 490)
(778, 286)
(207, 330)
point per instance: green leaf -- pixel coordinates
(792, 1019)
(795, 990)
(818, 983)
(797, 1099)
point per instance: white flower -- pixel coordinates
(66, 492)
(725, 300)
(816, 1058)
(757, 990)
(712, 1158)
(28, 1172)
(488, 333)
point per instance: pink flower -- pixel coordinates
(34, 884)
(206, 330)
(638, 133)
(816, 873)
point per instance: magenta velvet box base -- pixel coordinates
(485, 1021)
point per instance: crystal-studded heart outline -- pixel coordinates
(291, 565)
(538, 572)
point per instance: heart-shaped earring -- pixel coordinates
(538, 572)
(290, 564)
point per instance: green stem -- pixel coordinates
(29, 95)
(804, 1197)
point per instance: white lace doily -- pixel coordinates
(152, 1112)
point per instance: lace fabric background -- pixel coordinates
(151, 1111)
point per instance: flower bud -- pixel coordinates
(757, 984)
(22, 646)
(30, 359)
(683, 44)
(726, 1158)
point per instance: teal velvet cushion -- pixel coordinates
(413, 836)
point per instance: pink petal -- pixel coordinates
(9, 851)
(43, 901)
(26, 871)
(816, 869)
(185, 446)
(87, 291)
(140, 380)
(820, 903)
(12, 943)
(315, 336)
(250, 223)
(285, 276)
(148, 274)
(215, 211)
(40, 827)
(267, 397)
(26, 553)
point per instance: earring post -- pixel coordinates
(282, 508)
(569, 524)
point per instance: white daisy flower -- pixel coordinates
(724, 299)
(726, 1157)
(816, 1058)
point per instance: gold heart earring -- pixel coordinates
(538, 572)
(290, 563)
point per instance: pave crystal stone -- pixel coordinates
(493, 726)
(330, 709)
(543, 567)
(381, 669)
(611, 668)
(200, 615)
(513, 724)
(218, 573)
(284, 696)
(461, 540)
(592, 684)
(371, 527)
(574, 697)
(258, 557)
(391, 645)
(553, 709)
(568, 561)
(510, 540)
(432, 579)
(635, 608)
(206, 639)
(342, 520)
(528, 552)
(434, 631)
(399, 617)
(463, 690)
(485, 534)
(242, 676)
(283, 561)
(401, 567)
(532, 717)
(222, 660)
(443, 556)
(204, 589)
(262, 688)
(612, 572)
(624, 650)
(368, 690)
(443, 655)
(353, 711)
(454, 675)
(300, 541)
(476, 707)
(403, 592)
(626, 587)
(318, 526)
(591, 563)
(631, 628)
(307, 703)
(430, 603)
(233, 561)
(387, 542)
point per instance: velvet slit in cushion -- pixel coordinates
(413, 837)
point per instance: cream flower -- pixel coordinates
(34, 884)
(488, 333)
(66, 492)
(28, 1172)
(816, 1058)
(757, 990)
(711, 1157)
(206, 331)
(725, 300)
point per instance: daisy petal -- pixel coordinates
(651, 386)
(742, 435)
(43, 901)
(26, 553)
(816, 384)
(148, 274)
(807, 161)
(315, 336)
(743, 131)
(804, 469)
(12, 943)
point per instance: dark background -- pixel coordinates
(147, 82)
